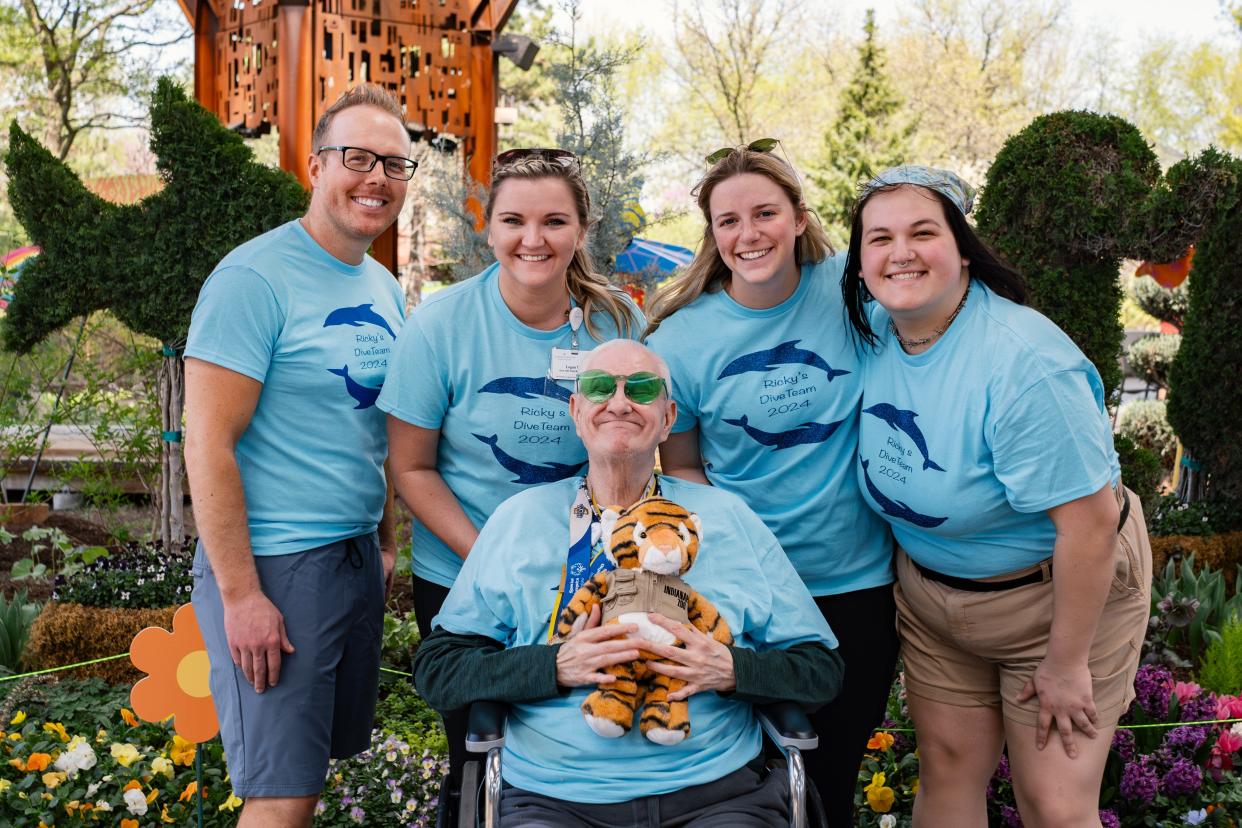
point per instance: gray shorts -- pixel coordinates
(278, 743)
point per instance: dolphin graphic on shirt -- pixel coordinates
(903, 421)
(802, 435)
(365, 396)
(528, 472)
(787, 353)
(358, 316)
(896, 508)
(527, 388)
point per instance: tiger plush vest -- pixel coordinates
(657, 541)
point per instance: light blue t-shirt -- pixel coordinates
(467, 366)
(507, 591)
(965, 446)
(775, 394)
(318, 333)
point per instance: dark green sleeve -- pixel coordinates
(451, 671)
(809, 674)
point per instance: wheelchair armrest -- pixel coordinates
(486, 726)
(787, 725)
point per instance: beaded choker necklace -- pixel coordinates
(907, 344)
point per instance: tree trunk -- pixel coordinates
(171, 495)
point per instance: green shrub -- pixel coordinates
(1144, 422)
(138, 575)
(1056, 205)
(16, 616)
(1204, 382)
(400, 639)
(1190, 605)
(1152, 356)
(1140, 470)
(1222, 664)
(1166, 304)
(1170, 516)
(403, 713)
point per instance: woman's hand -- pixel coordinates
(1065, 699)
(704, 663)
(592, 648)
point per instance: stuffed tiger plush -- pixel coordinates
(652, 543)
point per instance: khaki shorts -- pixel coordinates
(978, 649)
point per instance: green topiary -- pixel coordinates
(1144, 422)
(1205, 382)
(1057, 206)
(1151, 357)
(1222, 663)
(1140, 470)
(1166, 304)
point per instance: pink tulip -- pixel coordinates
(1186, 690)
(1229, 707)
(1229, 742)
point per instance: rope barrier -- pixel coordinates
(410, 675)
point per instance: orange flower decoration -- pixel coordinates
(176, 684)
(882, 740)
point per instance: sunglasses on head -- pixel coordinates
(561, 156)
(600, 386)
(762, 145)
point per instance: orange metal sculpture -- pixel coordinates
(265, 63)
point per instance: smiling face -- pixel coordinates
(350, 209)
(621, 428)
(756, 228)
(534, 230)
(910, 260)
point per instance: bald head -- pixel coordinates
(626, 349)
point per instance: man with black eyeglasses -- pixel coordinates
(288, 348)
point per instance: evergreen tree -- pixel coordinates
(866, 135)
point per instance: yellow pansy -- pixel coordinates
(164, 817)
(18, 718)
(57, 729)
(53, 778)
(125, 754)
(151, 796)
(181, 752)
(5, 785)
(161, 764)
(232, 803)
(16, 737)
(879, 796)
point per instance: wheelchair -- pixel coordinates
(476, 802)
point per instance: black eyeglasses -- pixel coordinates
(761, 145)
(363, 160)
(561, 156)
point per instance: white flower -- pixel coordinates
(90, 790)
(1236, 730)
(135, 802)
(888, 821)
(78, 757)
(102, 805)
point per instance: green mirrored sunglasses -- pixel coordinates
(599, 386)
(762, 145)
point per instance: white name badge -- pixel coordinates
(565, 363)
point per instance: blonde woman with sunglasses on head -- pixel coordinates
(767, 385)
(477, 394)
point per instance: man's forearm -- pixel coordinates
(809, 674)
(220, 515)
(451, 671)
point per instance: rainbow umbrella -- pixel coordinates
(11, 265)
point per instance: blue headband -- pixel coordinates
(944, 182)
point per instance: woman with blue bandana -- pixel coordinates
(1023, 567)
(478, 392)
(768, 383)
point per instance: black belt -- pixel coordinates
(1036, 577)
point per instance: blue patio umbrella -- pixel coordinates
(647, 256)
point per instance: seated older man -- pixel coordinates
(493, 638)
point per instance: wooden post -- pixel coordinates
(294, 108)
(206, 25)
